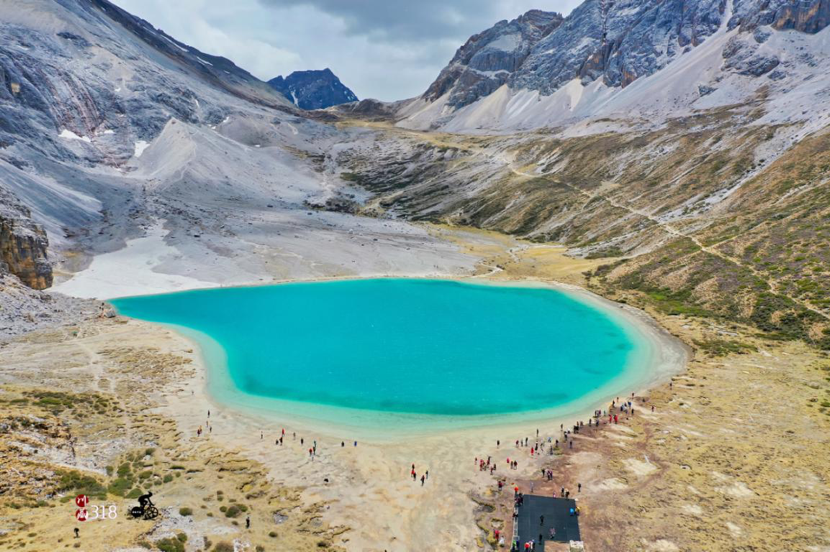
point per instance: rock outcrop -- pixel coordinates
(23, 244)
(23, 252)
(806, 16)
(313, 89)
(489, 59)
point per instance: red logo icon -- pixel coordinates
(81, 514)
(81, 501)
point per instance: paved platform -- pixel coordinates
(556, 512)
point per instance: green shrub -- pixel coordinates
(185, 511)
(72, 481)
(120, 486)
(170, 545)
(223, 547)
(723, 347)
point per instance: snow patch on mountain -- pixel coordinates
(69, 135)
(140, 147)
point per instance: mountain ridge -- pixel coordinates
(580, 68)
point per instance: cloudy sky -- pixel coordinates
(385, 49)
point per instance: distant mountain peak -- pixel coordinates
(314, 89)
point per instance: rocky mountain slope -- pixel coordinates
(112, 131)
(628, 59)
(313, 89)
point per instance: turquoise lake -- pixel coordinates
(425, 347)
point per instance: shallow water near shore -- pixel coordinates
(404, 351)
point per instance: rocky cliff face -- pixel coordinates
(23, 245)
(491, 58)
(313, 89)
(806, 16)
(618, 41)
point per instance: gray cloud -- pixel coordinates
(385, 49)
(404, 21)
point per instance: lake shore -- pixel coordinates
(659, 357)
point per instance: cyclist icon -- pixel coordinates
(145, 509)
